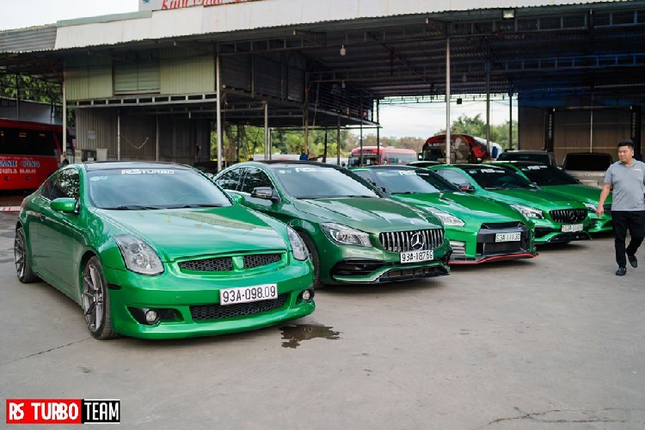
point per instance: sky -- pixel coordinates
(413, 120)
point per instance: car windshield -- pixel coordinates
(588, 162)
(318, 182)
(412, 181)
(548, 175)
(153, 188)
(520, 156)
(495, 178)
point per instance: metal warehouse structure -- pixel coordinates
(147, 85)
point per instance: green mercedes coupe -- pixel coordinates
(355, 234)
(557, 219)
(558, 181)
(157, 250)
(479, 229)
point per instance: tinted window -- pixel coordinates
(590, 162)
(453, 176)
(67, 184)
(155, 188)
(14, 141)
(311, 182)
(496, 178)
(255, 178)
(394, 158)
(405, 181)
(548, 175)
(518, 156)
(230, 180)
(48, 186)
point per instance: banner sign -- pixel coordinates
(178, 4)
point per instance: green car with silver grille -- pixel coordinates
(355, 234)
(557, 219)
(480, 230)
(157, 251)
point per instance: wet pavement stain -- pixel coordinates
(296, 334)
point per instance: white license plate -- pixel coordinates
(258, 293)
(572, 228)
(508, 237)
(417, 256)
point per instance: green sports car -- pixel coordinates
(157, 250)
(557, 219)
(558, 181)
(479, 229)
(353, 232)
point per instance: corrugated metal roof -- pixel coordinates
(28, 40)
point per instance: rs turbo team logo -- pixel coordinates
(63, 411)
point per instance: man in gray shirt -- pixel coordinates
(627, 180)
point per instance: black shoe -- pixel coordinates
(632, 260)
(621, 271)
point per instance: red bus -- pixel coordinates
(388, 155)
(29, 153)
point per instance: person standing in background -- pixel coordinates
(626, 178)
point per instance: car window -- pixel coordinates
(255, 178)
(588, 162)
(519, 156)
(453, 176)
(316, 182)
(406, 181)
(67, 184)
(153, 188)
(48, 186)
(498, 178)
(548, 175)
(231, 179)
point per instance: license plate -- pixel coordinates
(258, 293)
(572, 228)
(508, 237)
(417, 256)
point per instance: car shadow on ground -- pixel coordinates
(384, 289)
(493, 265)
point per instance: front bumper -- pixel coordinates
(547, 231)
(182, 298)
(602, 224)
(480, 246)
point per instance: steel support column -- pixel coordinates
(488, 106)
(218, 72)
(448, 123)
(64, 154)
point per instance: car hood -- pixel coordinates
(369, 214)
(473, 210)
(181, 233)
(537, 198)
(584, 193)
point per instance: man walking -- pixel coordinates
(626, 178)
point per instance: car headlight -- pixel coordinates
(298, 246)
(591, 207)
(528, 211)
(344, 235)
(446, 218)
(139, 257)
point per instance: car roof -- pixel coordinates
(519, 163)
(525, 151)
(109, 165)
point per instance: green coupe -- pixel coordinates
(157, 250)
(557, 219)
(558, 181)
(479, 229)
(353, 232)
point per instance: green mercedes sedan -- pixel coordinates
(479, 229)
(557, 219)
(558, 181)
(157, 250)
(355, 234)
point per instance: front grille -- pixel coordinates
(502, 225)
(219, 312)
(404, 241)
(251, 261)
(568, 216)
(499, 248)
(356, 267)
(223, 264)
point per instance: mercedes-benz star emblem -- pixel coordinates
(416, 241)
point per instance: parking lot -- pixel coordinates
(553, 342)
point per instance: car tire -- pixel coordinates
(95, 301)
(21, 258)
(313, 253)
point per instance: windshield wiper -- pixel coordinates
(193, 205)
(131, 208)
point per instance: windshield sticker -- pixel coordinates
(98, 178)
(535, 167)
(488, 171)
(147, 172)
(407, 172)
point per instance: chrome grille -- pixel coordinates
(416, 240)
(223, 264)
(568, 216)
(258, 260)
(219, 312)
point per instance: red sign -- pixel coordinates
(62, 411)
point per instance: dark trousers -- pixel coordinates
(635, 223)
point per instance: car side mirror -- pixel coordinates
(64, 204)
(237, 198)
(265, 193)
(466, 188)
